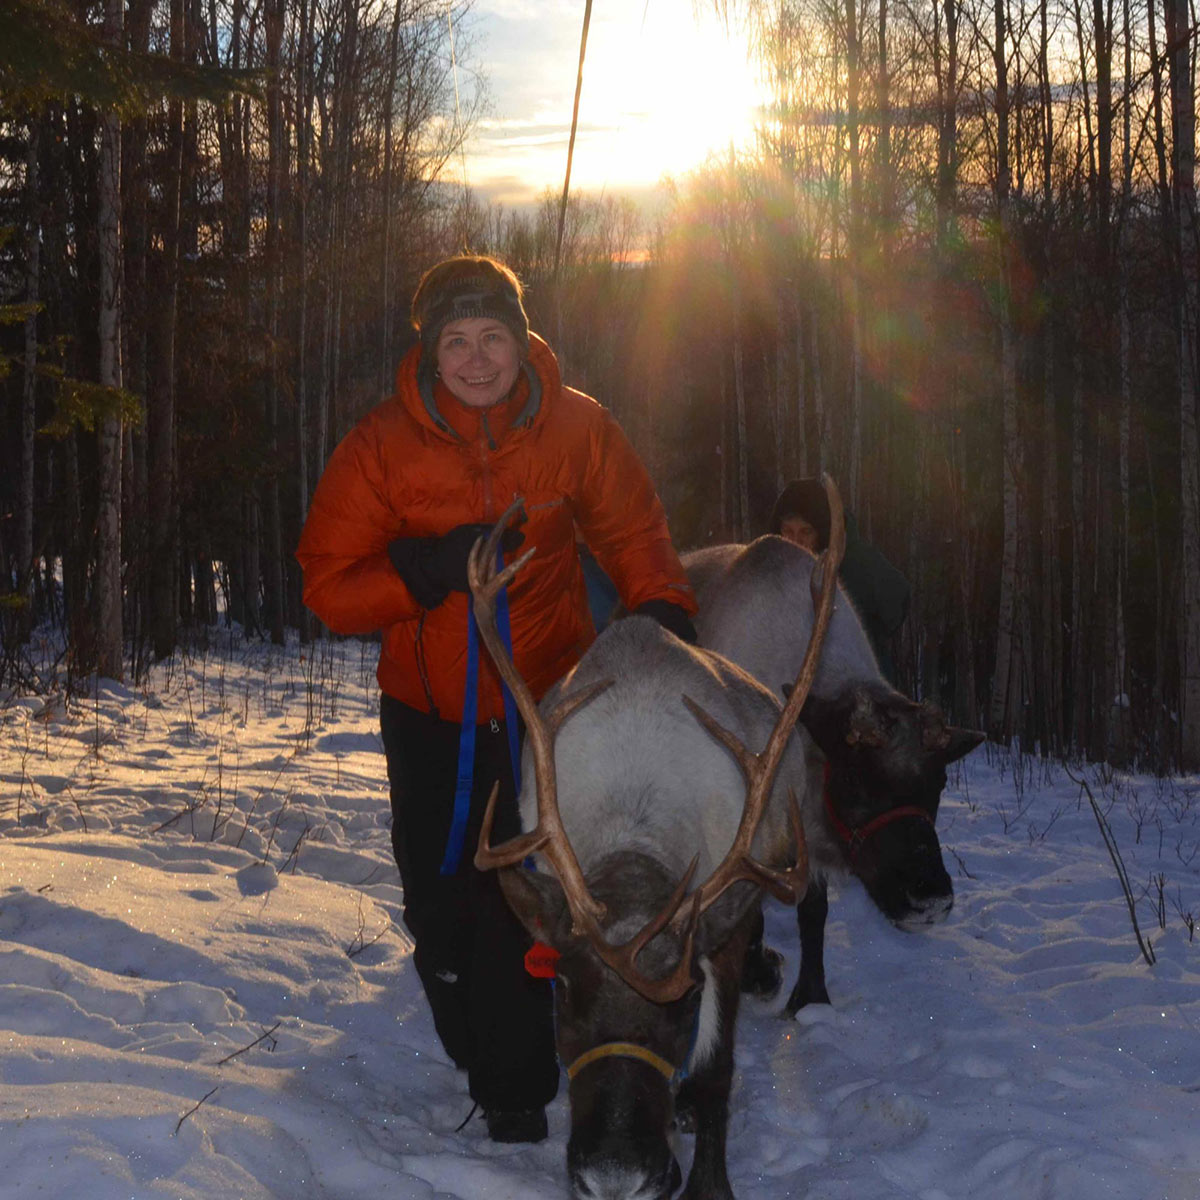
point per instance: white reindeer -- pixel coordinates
(650, 765)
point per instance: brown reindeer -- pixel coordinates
(885, 755)
(646, 781)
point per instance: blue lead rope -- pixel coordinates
(465, 777)
(510, 703)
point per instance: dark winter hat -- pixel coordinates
(803, 498)
(468, 286)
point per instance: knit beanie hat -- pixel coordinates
(468, 286)
(803, 498)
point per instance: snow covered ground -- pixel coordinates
(205, 991)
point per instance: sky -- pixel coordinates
(206, 992)
(664, 86)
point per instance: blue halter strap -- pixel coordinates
(466, 738)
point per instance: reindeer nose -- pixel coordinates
(606, 1178)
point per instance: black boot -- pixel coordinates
(517, 1125)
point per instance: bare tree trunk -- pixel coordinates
(926, 617)
(878, 419)
(386, 348)
(743, 453)
(966, 694)
(110, 642)
(804, 453)
(1124, 732)
(728, 523)
(25, 501)
(1049, 688)
(885, 180)
(854, 248)
(339, 227)
(251, 562)
(1006, 698)
(947, 146)
(1051, 605)
(1166, 644)
(234, 134)
(304, 105)
(775, 372)
(820, 411)
(1163, 739)
(274, 284)
(332, 283)
(80, 618)
(1080, 677)
(1105, 616)
(164, 533)
(1183, 173)
(324, 396)
(137, 312)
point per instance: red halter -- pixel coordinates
(853, 839)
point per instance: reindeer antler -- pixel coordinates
(549, 837)
(760, 769)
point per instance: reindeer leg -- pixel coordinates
(709, 1086)
(762, 972)
(811, 913)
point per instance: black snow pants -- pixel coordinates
(493, 1018)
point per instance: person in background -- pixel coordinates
(879, 592)
(479, 417)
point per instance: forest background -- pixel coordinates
(959, 271)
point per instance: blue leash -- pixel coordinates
(465, 777)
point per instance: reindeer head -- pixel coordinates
(622, 1052)
(887, 760)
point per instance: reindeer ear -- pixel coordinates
(537, 900)
(824, 722)
(962, 742)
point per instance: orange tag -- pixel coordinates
(540, 961)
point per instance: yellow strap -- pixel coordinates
(621, 1050)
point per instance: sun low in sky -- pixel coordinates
(663, 88)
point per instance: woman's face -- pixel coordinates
(798, 530)
(478, 359)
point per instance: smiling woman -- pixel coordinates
(663, 89)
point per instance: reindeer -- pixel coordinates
(645, 779)
(885, 755)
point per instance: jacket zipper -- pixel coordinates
(487, 468)
(491, 441)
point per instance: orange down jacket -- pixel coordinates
(419, 465)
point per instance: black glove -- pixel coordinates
(671, 617)
(433, 567)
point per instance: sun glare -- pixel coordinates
(663, 89)
(665, 96)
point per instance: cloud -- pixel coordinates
(512, 134)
